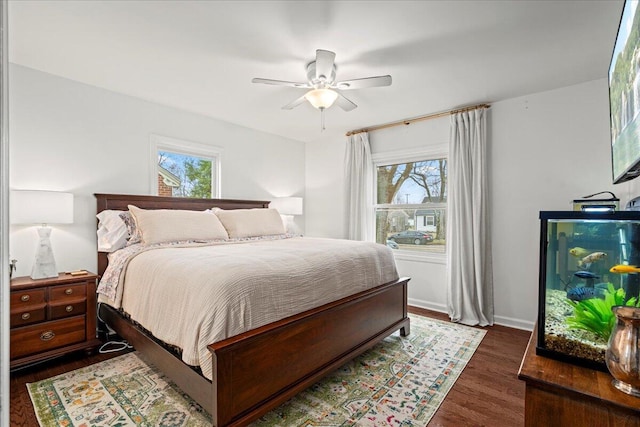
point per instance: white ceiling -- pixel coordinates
(200, 56)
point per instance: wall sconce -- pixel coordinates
(42, 207)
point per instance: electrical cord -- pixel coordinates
(120, 345)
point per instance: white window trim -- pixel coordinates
(435, 151)
(165, 143)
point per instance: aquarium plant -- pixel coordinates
(595, 315)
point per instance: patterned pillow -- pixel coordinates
(134, 233)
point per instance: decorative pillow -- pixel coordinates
(251, 222)
(112, 231)
(168, 225)
(134, 232)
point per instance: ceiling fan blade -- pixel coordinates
(294, 104)
(344, 103)
(280, 83)
(363, 83)
(324, 64)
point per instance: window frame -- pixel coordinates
(432, 152)
(189, 148)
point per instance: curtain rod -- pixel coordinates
(418, 119)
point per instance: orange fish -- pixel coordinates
(625, 269)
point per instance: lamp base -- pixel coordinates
(44, 265)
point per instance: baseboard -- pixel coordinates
(497, 320)
(514, 323)
(441, 308)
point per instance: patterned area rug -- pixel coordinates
(399, 382)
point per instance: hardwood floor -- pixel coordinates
(488, 392)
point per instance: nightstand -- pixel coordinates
(52, 317)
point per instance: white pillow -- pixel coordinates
(251, 222)
(168, 225)
(288, 224)
(112, 231)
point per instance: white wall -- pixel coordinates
(69, 136)
(544, 150)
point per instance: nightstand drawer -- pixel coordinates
(28, 297)
(28, 315)
(67, 292)
(51, 317)
(46, 336)
(67, 309)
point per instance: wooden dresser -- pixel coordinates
(52, 317)
(563, 394)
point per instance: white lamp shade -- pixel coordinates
(41, 207)
(321, 98)
(288, 205)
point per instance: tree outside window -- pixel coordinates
(183, 175)
(411, 205)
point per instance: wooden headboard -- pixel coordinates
(122, 201)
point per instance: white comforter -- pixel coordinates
(192, 297)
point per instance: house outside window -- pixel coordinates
(168, 183)
(411, 202)
(184, 169)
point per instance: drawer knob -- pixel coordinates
(24, 298)
(69, 308)
(47, 335)
(68, 291)
(26, 316)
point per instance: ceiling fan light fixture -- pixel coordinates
(321, 98)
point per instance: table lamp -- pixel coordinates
(42, 207)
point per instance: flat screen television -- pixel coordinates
(624, 96)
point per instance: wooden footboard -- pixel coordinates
(256, 371)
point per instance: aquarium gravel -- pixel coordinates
(559, 337)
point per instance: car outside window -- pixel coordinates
(411, 205)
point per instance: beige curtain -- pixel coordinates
(469, 267)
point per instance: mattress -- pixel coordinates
(193, 296)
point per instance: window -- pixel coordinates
(411, 200)
(184, 169)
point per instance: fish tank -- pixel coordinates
(589, 262)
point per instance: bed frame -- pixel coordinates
(258, 370)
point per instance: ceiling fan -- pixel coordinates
(324, 89)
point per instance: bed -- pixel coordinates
(257, 370)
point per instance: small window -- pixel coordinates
(411, 205)
(184, 169)
(182, 175)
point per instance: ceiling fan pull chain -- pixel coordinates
(322, 120)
